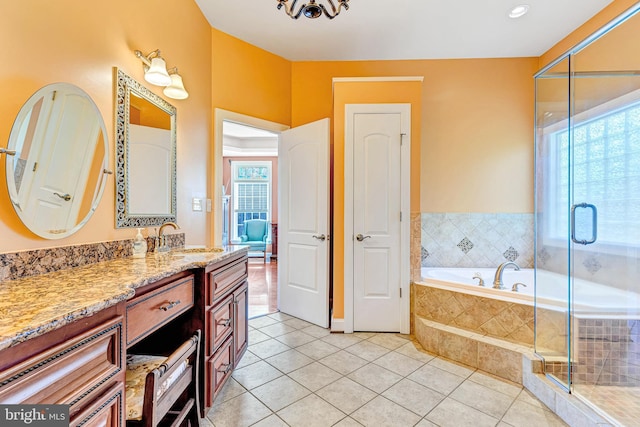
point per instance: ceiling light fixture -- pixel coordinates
(155, 72)
(519, 11)
(313, 9)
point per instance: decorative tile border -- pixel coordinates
(14, 265)
(476, 239)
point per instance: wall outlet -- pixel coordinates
(196, 204)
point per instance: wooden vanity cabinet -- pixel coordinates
(80, 364)
(224, 305)
(159, 303)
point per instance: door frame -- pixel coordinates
(405, 196)
(220, 115)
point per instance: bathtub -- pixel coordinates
(589, 297)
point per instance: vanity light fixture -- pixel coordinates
(155, 69)
(519, 11)
(156, 73)
(176, 89)
(313, 9)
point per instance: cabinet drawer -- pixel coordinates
(219, 367)
(220, 281)
(150, 311)
(71, 373)
(220, 323)
(105, 411)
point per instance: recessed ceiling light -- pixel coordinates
(518, 11)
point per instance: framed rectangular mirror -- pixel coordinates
(145, 155)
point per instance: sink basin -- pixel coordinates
(197, 250)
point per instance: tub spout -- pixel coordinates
(497, 280)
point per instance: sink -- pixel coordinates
(197, 250)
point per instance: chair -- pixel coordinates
(255, 235)
(164, 390)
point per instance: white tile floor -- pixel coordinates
(297, 374)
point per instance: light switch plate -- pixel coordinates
(208, 205)
(196, 204)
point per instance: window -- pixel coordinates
(606, 172)
(251, 193)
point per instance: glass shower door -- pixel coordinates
(605, 244)
(552, 261)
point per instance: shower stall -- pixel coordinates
(588, 219)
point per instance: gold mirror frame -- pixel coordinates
(125, 88)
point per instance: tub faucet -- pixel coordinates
(479, 277)
(497, 280)
(163, 247)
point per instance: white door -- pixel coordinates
(303, 222)
(150, 181)
(377, 139)
(59, 175)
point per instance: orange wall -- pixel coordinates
(614, 9)
(367, 93)
(80, 43)
(472, 145)
(249, 80)
(476, 145)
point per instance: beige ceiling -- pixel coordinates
(403, 29)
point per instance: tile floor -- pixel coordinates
(298, 374)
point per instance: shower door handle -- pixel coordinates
(594, 223)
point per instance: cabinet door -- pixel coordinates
(240, 324)
(106, 411)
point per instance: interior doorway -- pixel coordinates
(248, 208)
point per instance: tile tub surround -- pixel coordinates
(16, 265)
(592, 263)
(34, 305)
(476, 239)
(486, 316)
(606, 352)
(368, 379)
(506, 320)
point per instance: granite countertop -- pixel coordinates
(35, 305)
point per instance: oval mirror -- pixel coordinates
(58, 160)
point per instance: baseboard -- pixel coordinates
(337, 325)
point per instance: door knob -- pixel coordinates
(65, 197)
(321, 237)
(360, 237)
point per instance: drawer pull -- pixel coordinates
(224, 322)
(227, 368)
(169, 306)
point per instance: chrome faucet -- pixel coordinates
(497, 280)
(479, 277)
(162, 239)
